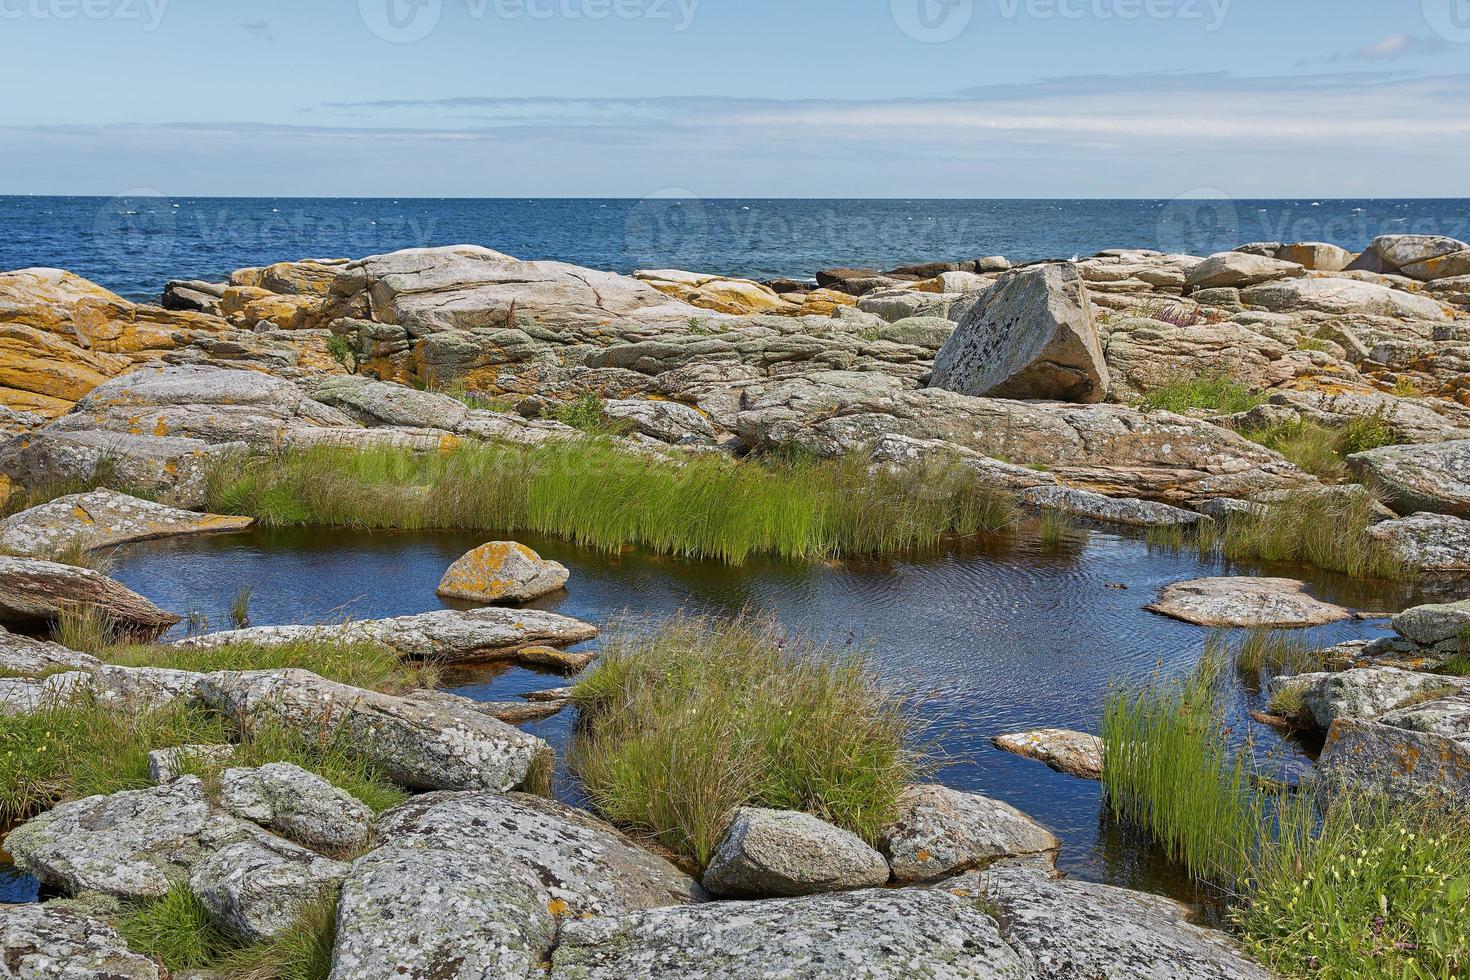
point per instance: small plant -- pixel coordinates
(1278, 653)
(1054, 529)
(1405, 387)
(176, 929)
(1212, 393)
(1315, 344)
(240, 608)
(1323, 451)
(586, 414)
(1289, 702)
(341, 350)
(85, 627)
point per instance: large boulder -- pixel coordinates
(255, 888)
(1434, 624)
(32, 591)
(906, 934)
(1427, 542)
(1403, 764)
(1031, 337)
(940, 832)
(1316, 256)
(782, 854)
(420, 746)
(40, 943)
(102, 519)
(378, 403)
(1423, 257)
(298, 805)
(1251, 603)
(502, 571)
(474, 885)
(1342, 296)
(1240, 269)
(1366, 693)
(1433, 478)
(446, 635)
(173, 469)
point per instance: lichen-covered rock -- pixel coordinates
(21, 655)
(1240, 269)
(175, 469)
(941, 831)
(782, 854)
(665, 421)
(1241, 601)
(910, 934)
(298, 805)
(41, 943)
(255, 888)
(1067, 930)
(1410, 420)
(32, 590)
(1074, 753)
(1431, 625)
(1448, 716)
(1031, 336)
(133, 844)
(101, 519)
(503, 571)
(1112, 510)
(1365, 693)
(902, 453)
(1400, 763)
(1433, 478)
(166, 765)
(447, 635)
(1427, 542)
(1342, 296)
(474, 885)
(718, 293)
(381, 403)
(420, 746)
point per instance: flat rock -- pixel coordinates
(32, 590)
(1253, 603)
(22, 655)
(298, 805)
(40, 943)
(102, 519)
(1364, 693)
(910, 934)
(255, 888)
(1403, 764)
(382, 403)
(1433, 478)
(783, 854)
(940, 832)
(474, 885)
(1032, 336)
(1073, 753)
(173, 468)
(1240, 269)
(503, 571)
(1342, 297)
(1111, 510)
(1434, 624)
(419, 746)
(1428, 542)
(668, 422)
(447, 635)
(902, 453)
(1067, 930)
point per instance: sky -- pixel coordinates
(736, 98)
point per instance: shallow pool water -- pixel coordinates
(998, 636)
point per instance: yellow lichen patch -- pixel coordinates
(557, 907)
(161, 429)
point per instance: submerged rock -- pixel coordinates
(101, 519)
(296, 804)
(1112, 510)
(1032, 336)
(910, 934)
(1411, 479)
(941, 831)
(39, 943)
(39, 591)
(1073, 753)
(781, 853)
(1239, 601)
(503, 571)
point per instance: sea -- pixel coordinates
(134, 245)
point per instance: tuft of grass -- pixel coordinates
(84, 627)
(597, 495)
(367, 665)
(240, 608)
(1323, 451)
(177, 930)
(1215, 393)
(302, 952)
(586, 414)
(682, 725)
(1290, 703)
(343, 351)
(1270, 651)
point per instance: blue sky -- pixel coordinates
(825, 98)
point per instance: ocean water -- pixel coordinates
(134, 245)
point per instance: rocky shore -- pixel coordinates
(1042, 379)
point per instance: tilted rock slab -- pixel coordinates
(906, 934)
(1433, 478)
(447, 635)
(503, 571)
(1031, 336)
(32, 590)
(474, 885)
(23, 655)
(941, 831)
(1403, 764)
(296, 804)
(1073, 753)
(40, 942)
(783, 854)
(419, 746)
(1364, 693)
(1241, 601)
(101, 519)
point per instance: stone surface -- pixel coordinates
(1428, 542)
(1342, 296)
(447, 635)
(25, 656)
(1448, 716)
(380, 403)
(255, 888)
(425, 747)
(1112, 510)
(1074, 753)
(1411, 479)
(296, 804)
(915, 934)
(1366, 693)
(164, 765)
(781, 853)
(1032, 336)
(1240, 269)
(1252, 603)
(171, 468)
(1398, 762)
(503, 571)
(940, 832)
(102, 519)
(665, 421)
(1069, 930)
(474, 885)
(32, 590)
(1433, 624)
(41, 943)
(902, 452)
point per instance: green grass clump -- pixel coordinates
(1323, 451)
(586, 415)
(176, 929)
(366, 665)
(597, 495)
(1270, 651)
(685, 724)
(1379, 892)
(1214, 393)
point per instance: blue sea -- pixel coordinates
(134, 245)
